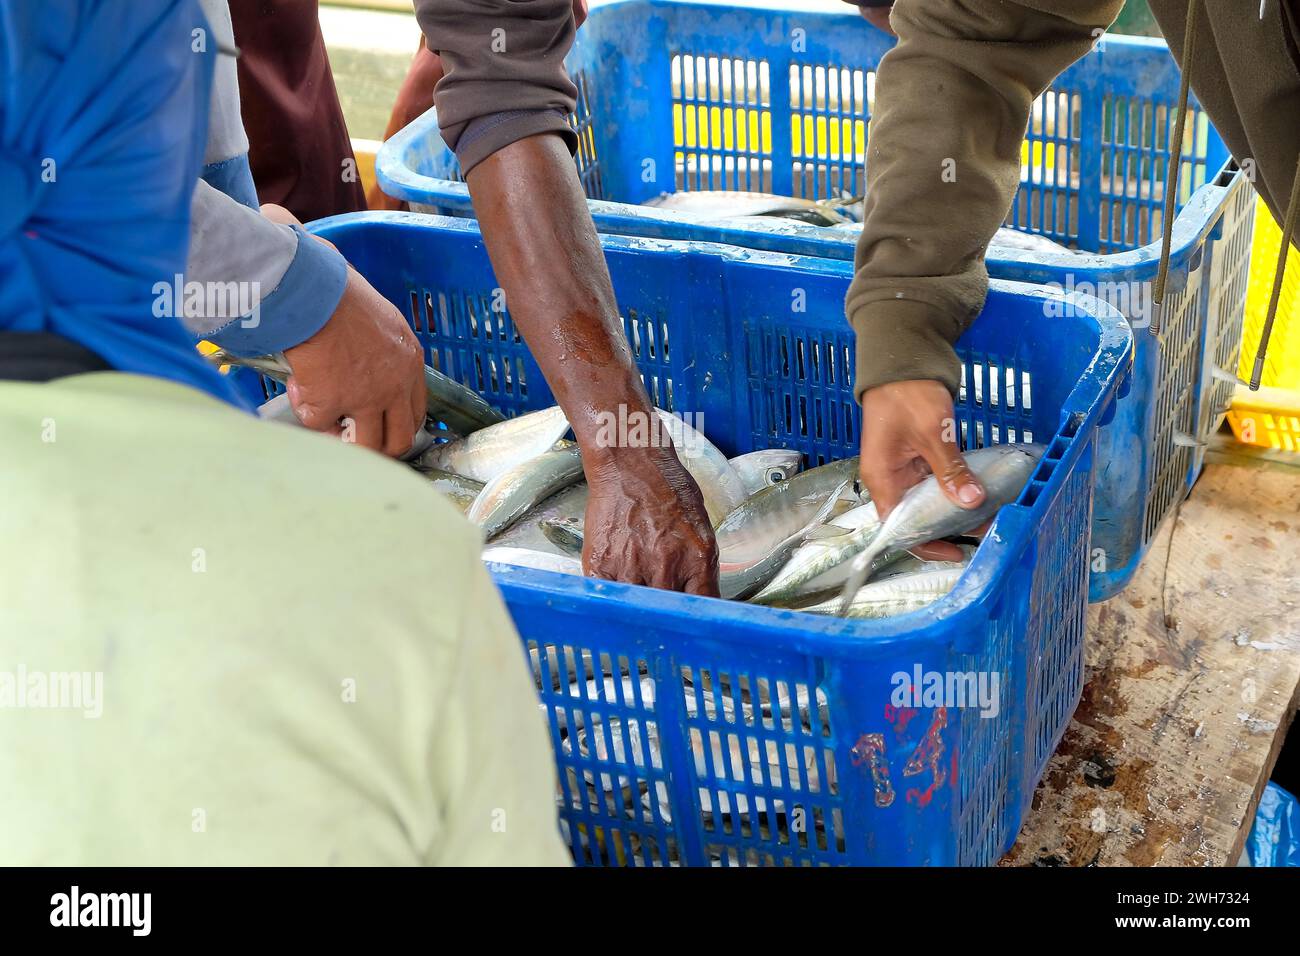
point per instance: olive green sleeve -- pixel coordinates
(943, 163)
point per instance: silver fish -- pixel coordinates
(274, 367)
(461, 491)
(718, 481)
(510, 495)
(490, 451)
(908, 564)
(725, 204)
(892, 596)
(759, 469)
(571, 503)
(278, 409)
(540, 560)
(564, 533)
(457, 406)
(753, 543)
(925, 513)
(824, 562)
(1008, 238)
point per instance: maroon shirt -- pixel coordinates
(299, 147)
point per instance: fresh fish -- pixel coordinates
(1183, 440)
(718, 481)
(458, 407)
(278, 409)
(541, 560)
(759, 469)
(564, 533)
(892, 596)
(925, 513)
(511, 494)
(726, 204)
(811, 485)
(272, 366)
(461, 491)
(490, 451)
(571, 503)
(1008, 238)
(909, 564)
(824, 562)
(753, 544)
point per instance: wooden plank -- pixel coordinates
(1193, 676)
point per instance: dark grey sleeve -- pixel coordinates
(503, 72)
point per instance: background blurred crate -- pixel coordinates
(689, 96)
(692, 730)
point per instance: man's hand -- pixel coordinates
(908, 432)
(646, 523)
(362, 375)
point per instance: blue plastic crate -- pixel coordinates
(715, 334)
(682, 88)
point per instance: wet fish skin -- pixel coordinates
(739, 575)
(738, 579)
(892, 596)
(725, 204)
(759, 469)
(925, 513)
(457, 406)
(461, 491)
(565, 533)
(812, 568)
(908, 564)
(512, 493)
(272, 366)
(490, 451)
(571, 503)
(718, 481)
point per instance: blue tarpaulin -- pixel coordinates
(103, 121)
(1275, 837)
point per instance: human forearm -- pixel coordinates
(952, 105)
(549, 263)
(645, 521)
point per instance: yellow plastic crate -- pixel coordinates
(1271, 416)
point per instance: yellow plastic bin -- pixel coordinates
(1270, 417)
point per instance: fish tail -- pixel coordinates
(859, 571)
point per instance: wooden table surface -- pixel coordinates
(1193, 677)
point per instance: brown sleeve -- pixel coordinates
(943, 163)
(504, 77)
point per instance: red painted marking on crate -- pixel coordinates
(928, 753)
(900, 717)
(870, 750)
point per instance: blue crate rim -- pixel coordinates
(1193, 223)
(1008, 537)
